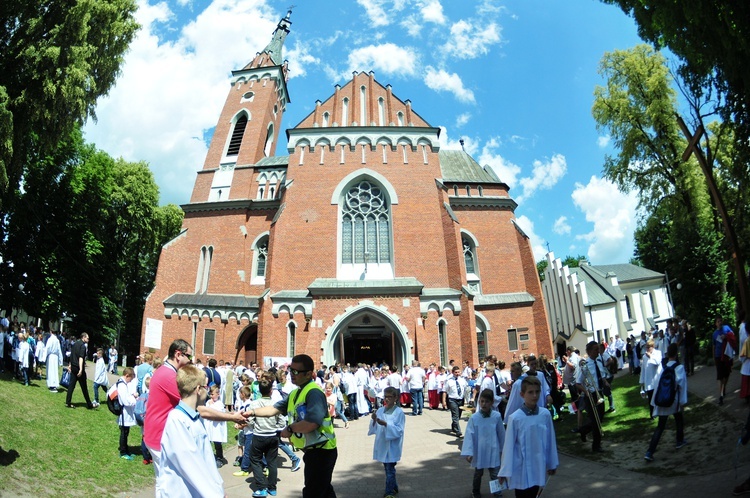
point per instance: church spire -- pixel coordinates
(279, 35)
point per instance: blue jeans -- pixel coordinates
(96, 391)
(340, 411)
(417, 401)
(660, 429)
(287, 448)
(353, 406)
(25, 372)
(391, 486)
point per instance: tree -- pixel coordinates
(711, 39)
(87, 231)
(681, 230)
(57, 57)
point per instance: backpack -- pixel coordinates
(113, 400)
(140, 409)
(667, 388)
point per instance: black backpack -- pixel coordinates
(667, 388)
(113, 401)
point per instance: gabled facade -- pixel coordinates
(366, 243)
(597, 302)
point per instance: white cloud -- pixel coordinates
(432, 11)
(375, 12)
(614, 217)
(537, 243)
(544, 176)
(171, 92)
(412, 25)
(462, 119)
(469, 40)
(386, 58)
(442, 81)
(504, 169)
(299, 57)
(561, 226)
(471, 146)
(602, 142)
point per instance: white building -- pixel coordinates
(597, 302)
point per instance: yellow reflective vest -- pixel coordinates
(323, 437)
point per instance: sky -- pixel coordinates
(515, 80)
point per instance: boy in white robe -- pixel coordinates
(530, 450)
(187, 462)
(388, 424)
(483, 441)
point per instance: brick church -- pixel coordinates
(366, 243)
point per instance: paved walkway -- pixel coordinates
(431, 465)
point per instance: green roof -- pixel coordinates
(629, 273)
(594, 288)
(273, 161)
(458, 166)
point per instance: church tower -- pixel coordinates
(249, 123)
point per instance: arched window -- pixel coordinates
(237, 132)
(481, 191)
(344, 111)
(455, 190)
(628, 309)
(652, 299)
(326, 118)
(381, 111)
(260, 260)
(468, 190)
(204, 269)
(291, 333)
(481, 340)
(400, 118)
(471, 263)
(365, 229)
(269, 141)
(443, 342)
(362, 106)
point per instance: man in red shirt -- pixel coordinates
(164, 396)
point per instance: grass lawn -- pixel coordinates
(50, 450)
(628, 431)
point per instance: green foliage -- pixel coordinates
(87, 231)
(711, 39)
(57, 57)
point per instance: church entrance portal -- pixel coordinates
(368, 338)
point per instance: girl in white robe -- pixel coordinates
(23, 358)
(217, 431)
(388, 424)
(54, 360)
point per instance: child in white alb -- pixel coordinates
(483, 441)
(388, 424)
(217, 430)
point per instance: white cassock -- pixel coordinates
(483, 439)
(530, 449)
(217, 431)
(515, 400)
(361, 376)
(680, 399)
(389, 439)
(54, 360)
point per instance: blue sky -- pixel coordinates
(515, 80)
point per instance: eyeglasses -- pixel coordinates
(297, 372)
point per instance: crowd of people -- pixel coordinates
(291, 407)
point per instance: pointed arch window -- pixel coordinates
(326, 118)
(269, 141)
(381, 111)
(236, 139)
(344, 111)
(260, 260)
(400, 118)
(291, 339)
(628, 307)
(366, 227)
(471, 263)
(481, 340)
(443, 342)
(362, 106)
(204, 269)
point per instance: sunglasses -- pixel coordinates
(297, 372)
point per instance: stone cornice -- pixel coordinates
(397, 287)
(369, 135)
(235, 204)
(487, 201)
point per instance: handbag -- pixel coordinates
(65, 381)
